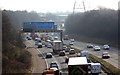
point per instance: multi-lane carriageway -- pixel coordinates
(113, 52)
(60, 60)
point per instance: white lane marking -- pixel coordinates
(43, 57)
(47, 60)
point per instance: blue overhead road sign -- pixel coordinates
(38, 26)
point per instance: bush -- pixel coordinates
(14, 58)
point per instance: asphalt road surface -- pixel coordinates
(113, 51)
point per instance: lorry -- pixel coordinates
(77, 66)
(57, 46)
(85, 54)
(51, 71)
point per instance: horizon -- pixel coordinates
(56, 6)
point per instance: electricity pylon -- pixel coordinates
(83, 6)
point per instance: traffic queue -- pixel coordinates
(78, 63)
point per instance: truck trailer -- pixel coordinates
(57, 46)
(77, 66)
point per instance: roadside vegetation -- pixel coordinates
(15, 59)
(107, 67)
(96, 26)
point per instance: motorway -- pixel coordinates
(56, 58)
(60, 60)
(79, 45)
(113, 51)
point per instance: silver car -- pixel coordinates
(96, 48)
(106, 47)
(62, 53)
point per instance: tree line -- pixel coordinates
(94, 24)
(15, 59)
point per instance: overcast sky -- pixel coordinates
(56, 5)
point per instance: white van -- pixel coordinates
(95, 68)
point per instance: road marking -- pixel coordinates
(44, 58)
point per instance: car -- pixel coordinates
(72, 40)
(71, 43)
(72, 51)
(65, 38)
(106, 47)
(105, 55)
(96, 48)
(78, 54)
(43, 42)
(89, 61)
(62, 53)
(36, 38)
(53, 64)
(49, 45)
(67, 49)
(49, 55)
(39, 40)
(89, 46)
(28, 38)
(39, 45)
(55, 38)
(64, 47)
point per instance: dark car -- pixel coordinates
(39, 45)
(28, 38)
(62, 53)
(49, 55)
(72, 51)
(67, 49)
(89, 46)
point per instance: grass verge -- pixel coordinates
(107, 67)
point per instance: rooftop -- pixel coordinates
(77, 61)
